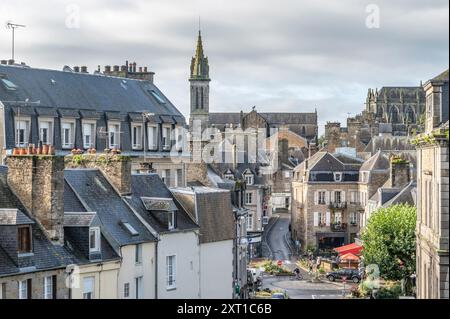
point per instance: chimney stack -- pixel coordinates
(84, 69)
(400, 173)
(76, 69)
(107, 69)
(116, 68)
(3, 62)
(10, 62)
(38, 181)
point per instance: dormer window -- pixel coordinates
(229, 176)
(94, 239)
(22, 131)
(46, 131)
(166, 137)
(136, 135)
(24, 240)
(338, 177)
(68, 133)
(249, 179)
(114, 135)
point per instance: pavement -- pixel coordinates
(277, 247)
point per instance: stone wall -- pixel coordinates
(38, 181)
(117, 168)
(37, 284)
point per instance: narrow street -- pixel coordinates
(276, 240)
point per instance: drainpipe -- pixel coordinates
(156, 269)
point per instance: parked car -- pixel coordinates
(279, 295)
(348, 273)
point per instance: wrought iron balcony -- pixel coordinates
(337, 205)
(338, 227)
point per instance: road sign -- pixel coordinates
(279, 263)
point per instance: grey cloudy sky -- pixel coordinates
(287, 55)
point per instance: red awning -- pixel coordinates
(351, 248)
(349, 257)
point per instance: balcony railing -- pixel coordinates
(337, 205)
(339, 227)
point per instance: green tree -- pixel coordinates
(390, 242)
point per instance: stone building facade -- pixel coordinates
(433, 194)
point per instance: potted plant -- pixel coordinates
(51, 150)
(45, 149)
(23, 151)
(107, 150)
(16, 151)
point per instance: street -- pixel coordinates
(276, 240)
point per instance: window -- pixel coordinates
(249, 179)
(179, 178)
(157, 96)
(126, 290)
(3, 290)
(67, 134)
(24, 239)
(167, 131)
(88, 135)
(136, 135)
(166, 178)
(88, 287)
(337, 217)
(250, 222)
(130, 229)
(353, 218)
(138, 282)
(138, 254)
(46, 131)
(337, 196)
(171, 271)
(152, 137)
(22, 132)
(25, 289)
(354, 197)
(337, 177)
(179, 138)
(322, 195)
(229, 177)
(8, 84)
(49, 287)
(171, 220)
(94, 239)
(248, 198)
(114, 135)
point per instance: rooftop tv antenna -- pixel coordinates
(13, 27)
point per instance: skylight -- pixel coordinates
(157, 96)
(130, 228)
(8, 84)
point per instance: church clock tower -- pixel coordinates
(199, 85)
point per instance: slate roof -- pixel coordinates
(94, 92)
(71, 202)
(220, 169)
(408, 195)
(100, 197)
(151, 185)
(79, 219)
(378, 161)
(213, 210)
(389, 143)
(46, 255)
(443, 77)
(271, 118)
(14, 217)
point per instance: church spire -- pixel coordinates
(199, 63)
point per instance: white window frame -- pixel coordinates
(48, 287)
(249, 221)
(179, 138)
(49, 121)
(138, 254)
(19, 121)
(152, 136)
(139, 287)
(93, 127)
(70, 124)
(90, 279)
(166, 137)
(353, 218)
(114, 133)
(229, 177)
(338, 176)
(248, 198)
(23, 289)
(319, 202)
(335, 219)
(96, 231)
(171, 272)
(249, 179)
(136, 144)
(171, 219)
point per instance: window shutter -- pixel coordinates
(316, 219)
(332, 199)
(54, 287)
(29, 289)
(316, 195)
(328, 219)
(327, 197)
(343, 196)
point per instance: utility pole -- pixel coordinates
(13, 27)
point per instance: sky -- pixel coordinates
(280, 56)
